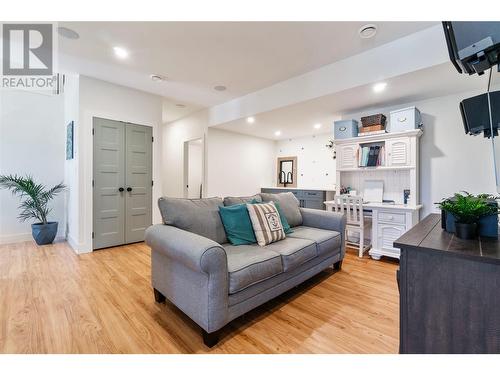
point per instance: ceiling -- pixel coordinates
(299, 120)
(196, 56)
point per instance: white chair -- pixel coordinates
(352, 206)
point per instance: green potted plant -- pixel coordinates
(35, 199)
(467, 210)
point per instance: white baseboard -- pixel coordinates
(23, 237)
(76, 246)
(13, 238)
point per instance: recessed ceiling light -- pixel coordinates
(317, 126)
(367, 31)
(68, 33)
(277, 133)
(220, 88)
(250, 120)
(157, 78)
(179, 105)
(379, 87)
(120, 52)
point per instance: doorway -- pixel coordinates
(122, 182)
(193, 168)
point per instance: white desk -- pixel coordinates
(389, 222)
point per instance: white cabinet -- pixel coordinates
(399, 170)
(388, 225)
(347, 156)
(388, 233)
(398, 152)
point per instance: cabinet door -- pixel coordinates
(387, 234)
(347, 156)
(398, 152)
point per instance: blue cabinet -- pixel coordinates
(307, 198)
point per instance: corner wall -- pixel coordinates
(32, 141)
(174, 135)
(103, 99)
(238, 164)
(315, 163)
(71, 113)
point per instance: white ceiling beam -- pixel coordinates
(416, 51)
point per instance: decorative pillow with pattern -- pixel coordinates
(266, 223)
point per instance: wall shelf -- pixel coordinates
(379, 137)
(379, 168)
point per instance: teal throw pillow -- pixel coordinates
(237, 224)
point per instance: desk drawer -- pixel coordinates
(314, 195)
(390, 217)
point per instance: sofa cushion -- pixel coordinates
(250, 264)
(266, 223)
(289, 204)
(229, 201)
(237, 224)
(294, 251)
(327, 241)
(199, 216)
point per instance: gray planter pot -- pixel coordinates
(466, 231)
(44, 234)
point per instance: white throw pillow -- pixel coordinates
(266, 223)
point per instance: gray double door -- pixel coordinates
(122, 185)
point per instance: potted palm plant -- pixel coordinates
(35, 199)
(465, 211)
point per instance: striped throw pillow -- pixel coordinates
(266, 223)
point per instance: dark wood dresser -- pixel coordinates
(449, 291)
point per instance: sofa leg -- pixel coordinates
(337, 266)
(160, 298)
(210, 339)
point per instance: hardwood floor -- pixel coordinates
(54, 301)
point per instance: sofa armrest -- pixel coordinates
(191, 271)
(325, 220)
(198, 253)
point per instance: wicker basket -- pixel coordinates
(371, 120)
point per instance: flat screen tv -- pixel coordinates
(473, 46)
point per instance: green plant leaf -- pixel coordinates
(34, 196)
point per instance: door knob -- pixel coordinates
(129, 189)
(121, 189)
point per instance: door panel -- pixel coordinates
(138, 177)
(109, 203)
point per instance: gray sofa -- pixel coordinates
(214, 282)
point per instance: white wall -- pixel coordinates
(238, 164)
(102, 99)
(315, 163)
(174, 135)
(71, 113)
(32, 141)
(450, 160)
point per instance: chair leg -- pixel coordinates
(210, 339)
(160, 298)
(337, 266)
